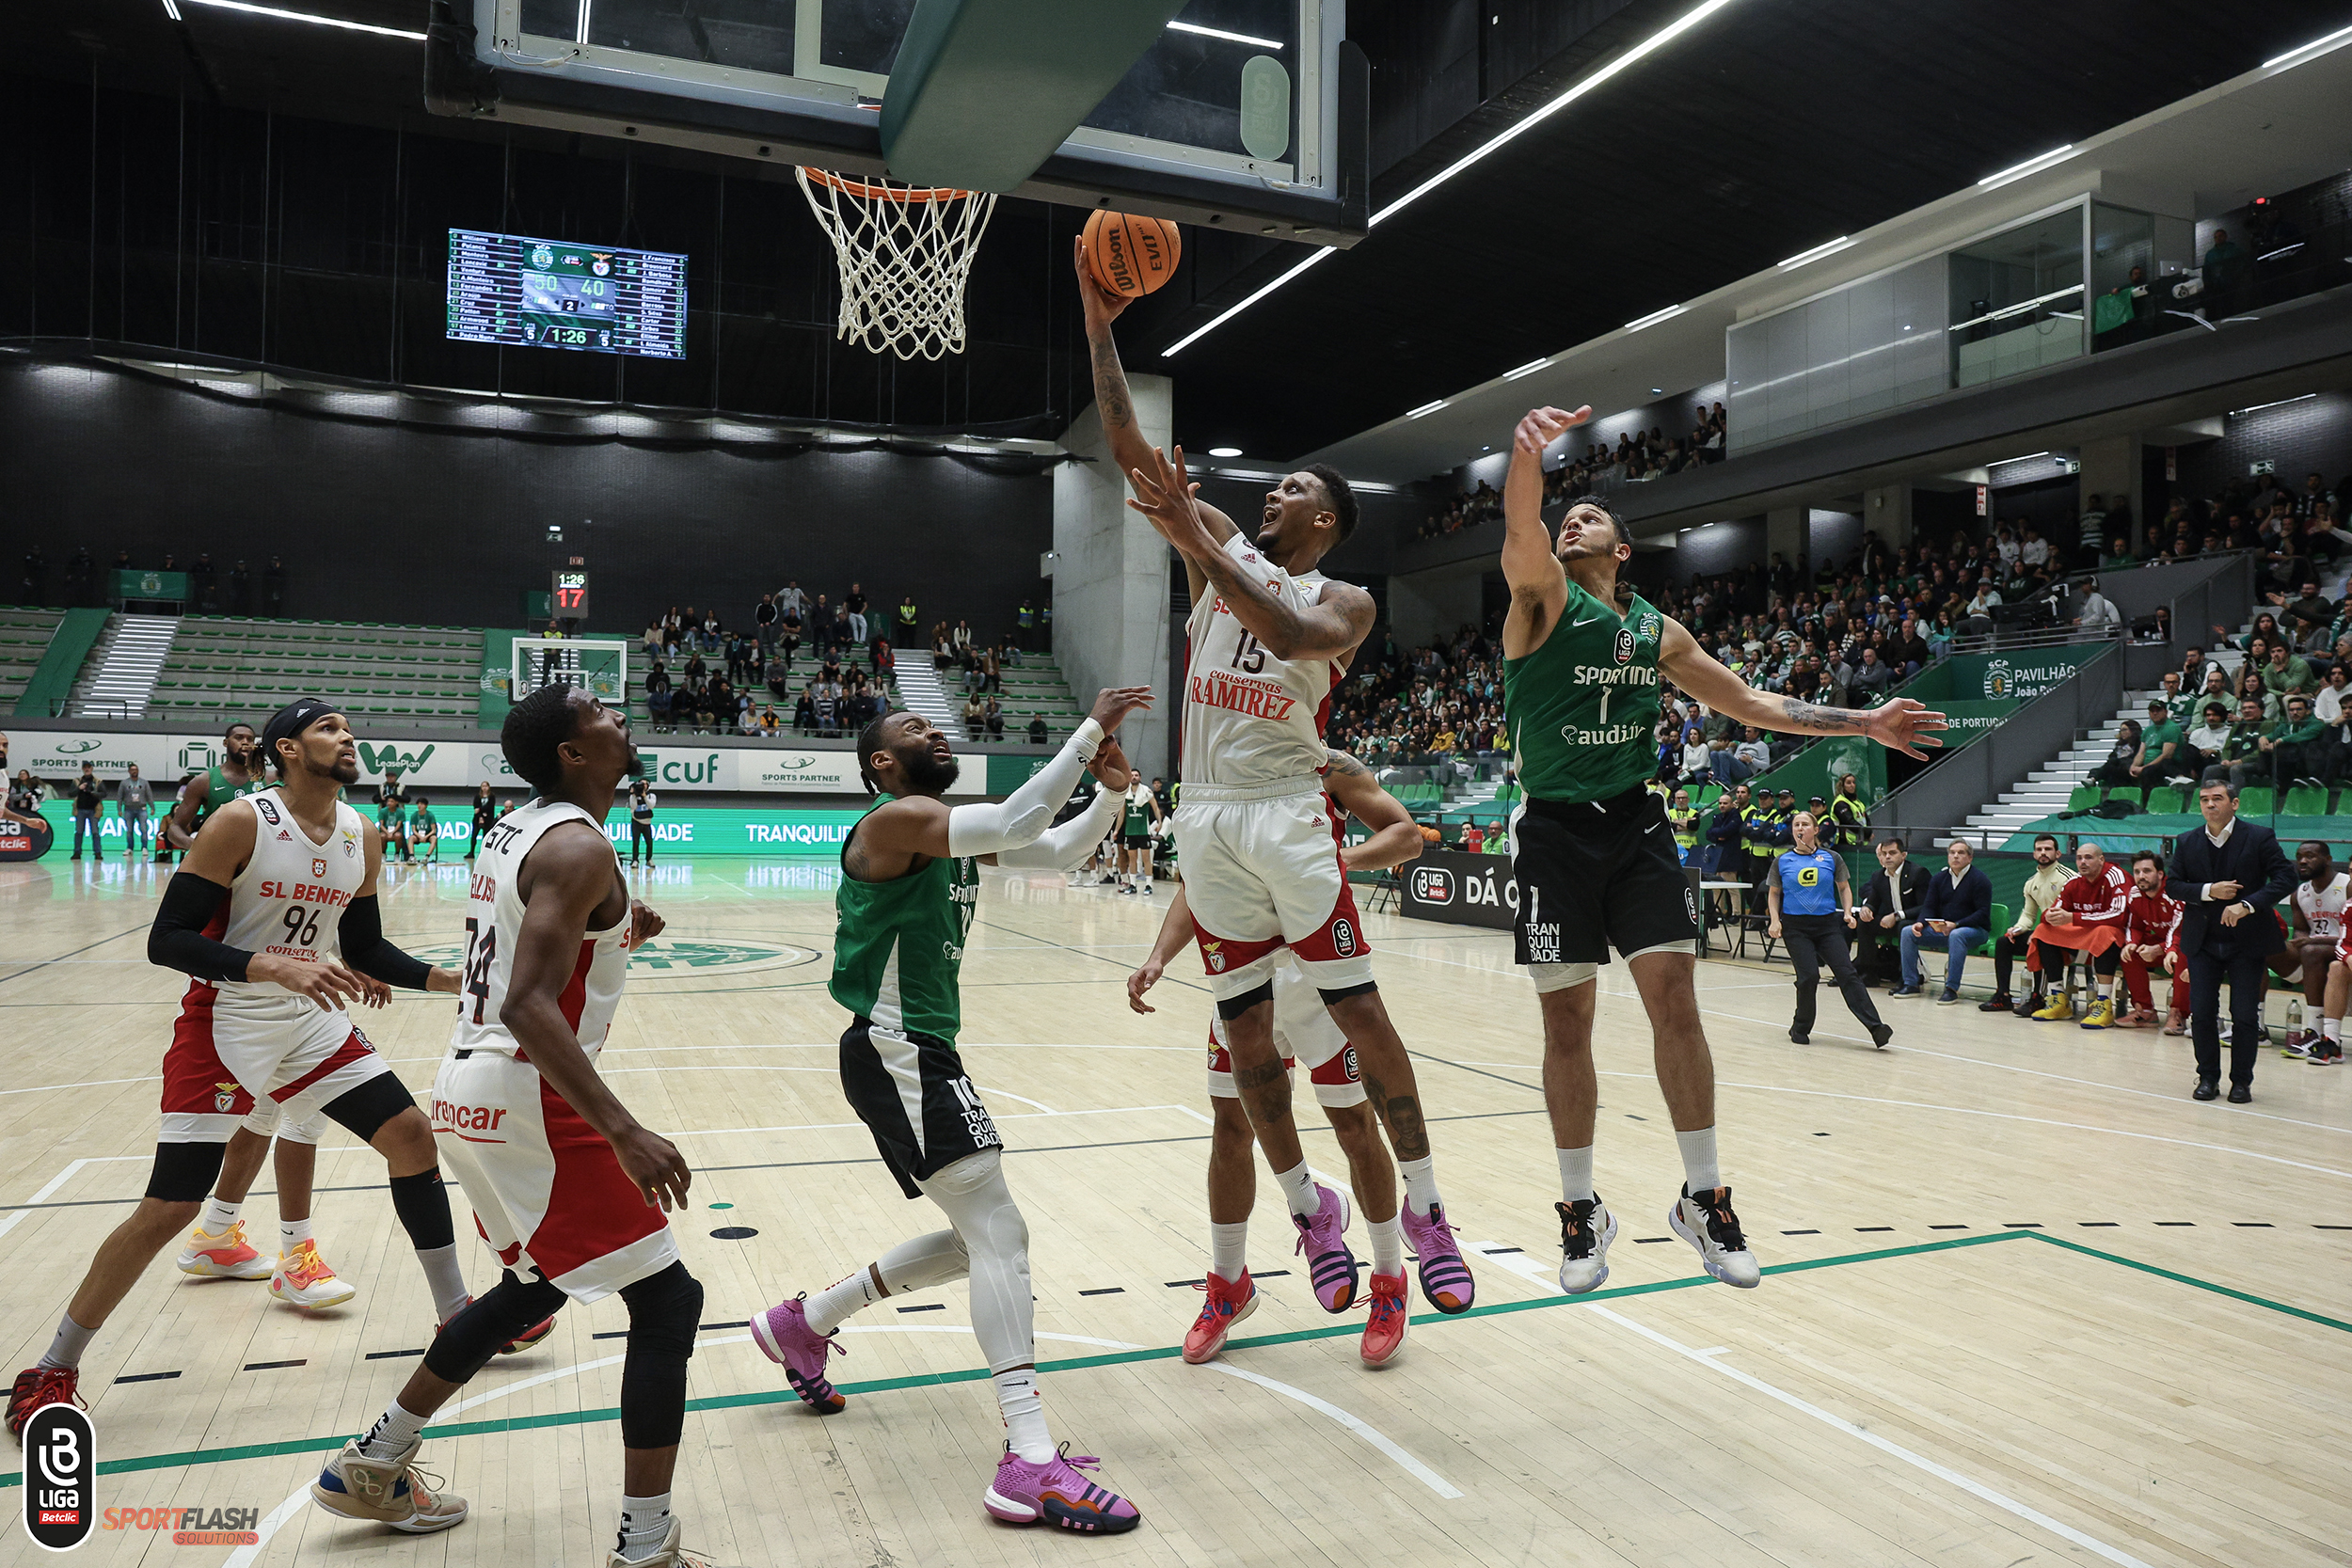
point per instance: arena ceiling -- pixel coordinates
(1768, 128)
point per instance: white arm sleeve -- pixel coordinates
(1061, 849)
(991, 830)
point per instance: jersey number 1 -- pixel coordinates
(477, 956)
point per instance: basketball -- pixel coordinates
(1131, 256)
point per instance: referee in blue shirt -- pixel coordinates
(1812, 906)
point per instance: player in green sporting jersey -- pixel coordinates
(909, 889)
(1595, 865)
(238, 773)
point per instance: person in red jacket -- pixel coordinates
(2088, 916)
(2150, 917)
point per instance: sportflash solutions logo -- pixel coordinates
(61, 1465)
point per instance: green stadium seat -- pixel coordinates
(2126, 792)
(2169, 799)
(2305, 800)
(2342, 805)
(2256, 801)
(2000, 924)
(2082, 796)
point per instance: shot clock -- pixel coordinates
(567, 595)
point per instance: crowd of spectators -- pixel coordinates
(80, 582)
(813, 666)
(1640, 455)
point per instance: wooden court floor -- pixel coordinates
(2026, 1303)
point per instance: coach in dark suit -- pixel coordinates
(2228, 877)
(1898, 891)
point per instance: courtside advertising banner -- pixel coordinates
(782, 769)
(686, 833)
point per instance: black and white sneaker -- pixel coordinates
(1705, 1221)
(1587, 1229)
(2325, 1052)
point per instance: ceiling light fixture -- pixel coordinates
(1832, 248)
(306, 16)
(171, 11)
(1225, 451)
(1655, 41)
(1426, 408)
(1528, 368)
(2031, 165)
(1654, 317)
(1221, 33)
(2004, 461)
(2257, 408)
(2297, 54)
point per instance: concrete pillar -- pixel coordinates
(1785, 531)
(1432, 606)
(1886, 512)
(2111, 469)
(1111, 582)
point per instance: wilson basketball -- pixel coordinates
(1130, 255)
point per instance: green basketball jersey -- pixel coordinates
(1582, 708)
(1138, 818)
(218, 791)
(898, 946)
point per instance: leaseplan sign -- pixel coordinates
(441, 764)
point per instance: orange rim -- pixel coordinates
(882, 193)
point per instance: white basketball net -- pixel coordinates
(905, 252)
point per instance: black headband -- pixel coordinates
(290, 721)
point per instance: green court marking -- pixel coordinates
(1157, 1353)
(2191, 1279)
(723, 1206)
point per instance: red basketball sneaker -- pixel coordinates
(39, 1386)
(1384, 1334)
(1230, 1301)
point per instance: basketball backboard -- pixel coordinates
(1247, 115)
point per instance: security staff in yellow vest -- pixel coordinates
(1683, 819)
(1850, 819)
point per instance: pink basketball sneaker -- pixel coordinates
(1230, 1301)
(784, 1337)
(1445, 1279)
(1023, 1493)
(1323, 1237)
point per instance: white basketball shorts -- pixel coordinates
(1262, 872)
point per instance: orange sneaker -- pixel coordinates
(303, 1279)
(226, 1256)
(530, 1336)
(1384, 1333)
(1230, 1301)
(36, 1386)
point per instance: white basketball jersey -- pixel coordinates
(1251, 718)
(2324, 910)
(494, 921)
(291, 897)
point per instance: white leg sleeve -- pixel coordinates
(933, 1259)
(996, 1238)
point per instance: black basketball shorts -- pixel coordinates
(911, 1093)
(1596, 876)
(1135, 841)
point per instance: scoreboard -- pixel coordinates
(568, 594)
(521, 293)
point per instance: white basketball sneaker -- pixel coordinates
(1705, 1221)
(303, 1279)
(226, 1256)
(386, 1491)
(1587, 1229)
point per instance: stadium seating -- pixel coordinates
(2257, 801)
(23, 636)
(222, 668)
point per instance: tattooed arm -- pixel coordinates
(1900, 725)
(1129, 448)
(1395, 836)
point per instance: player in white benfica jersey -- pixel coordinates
(1270, 636)
(567, 1187)
(277, 882)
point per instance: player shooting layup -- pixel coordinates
(1595, 863)
(1267, 646)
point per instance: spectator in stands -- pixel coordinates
(975, 714)
(658, 696)
(274, 586)
(2033, 550)
(790, 599)
(24, 793)
(2209, 741)
(764, 625)
(2288, 672)
(1693, 757)
(1752, 751)
(995, 719)
(963, 636)
(2035, 895)
(2096, 610)
(1955, 915)
(88, 811)
(2160, 745)
(1037, 729)
(824, 630)
(792, 625)
(2298, 747)
(747, 719)
(1873, 680)
(854, 610)
(770, 721)
(886, 661)
(1891, 896)
(804, 712)
(2225, 270)
(2330, 703)
(943, 648)
(2092, 532)
(133, 798)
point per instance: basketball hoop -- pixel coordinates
(905, 252)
